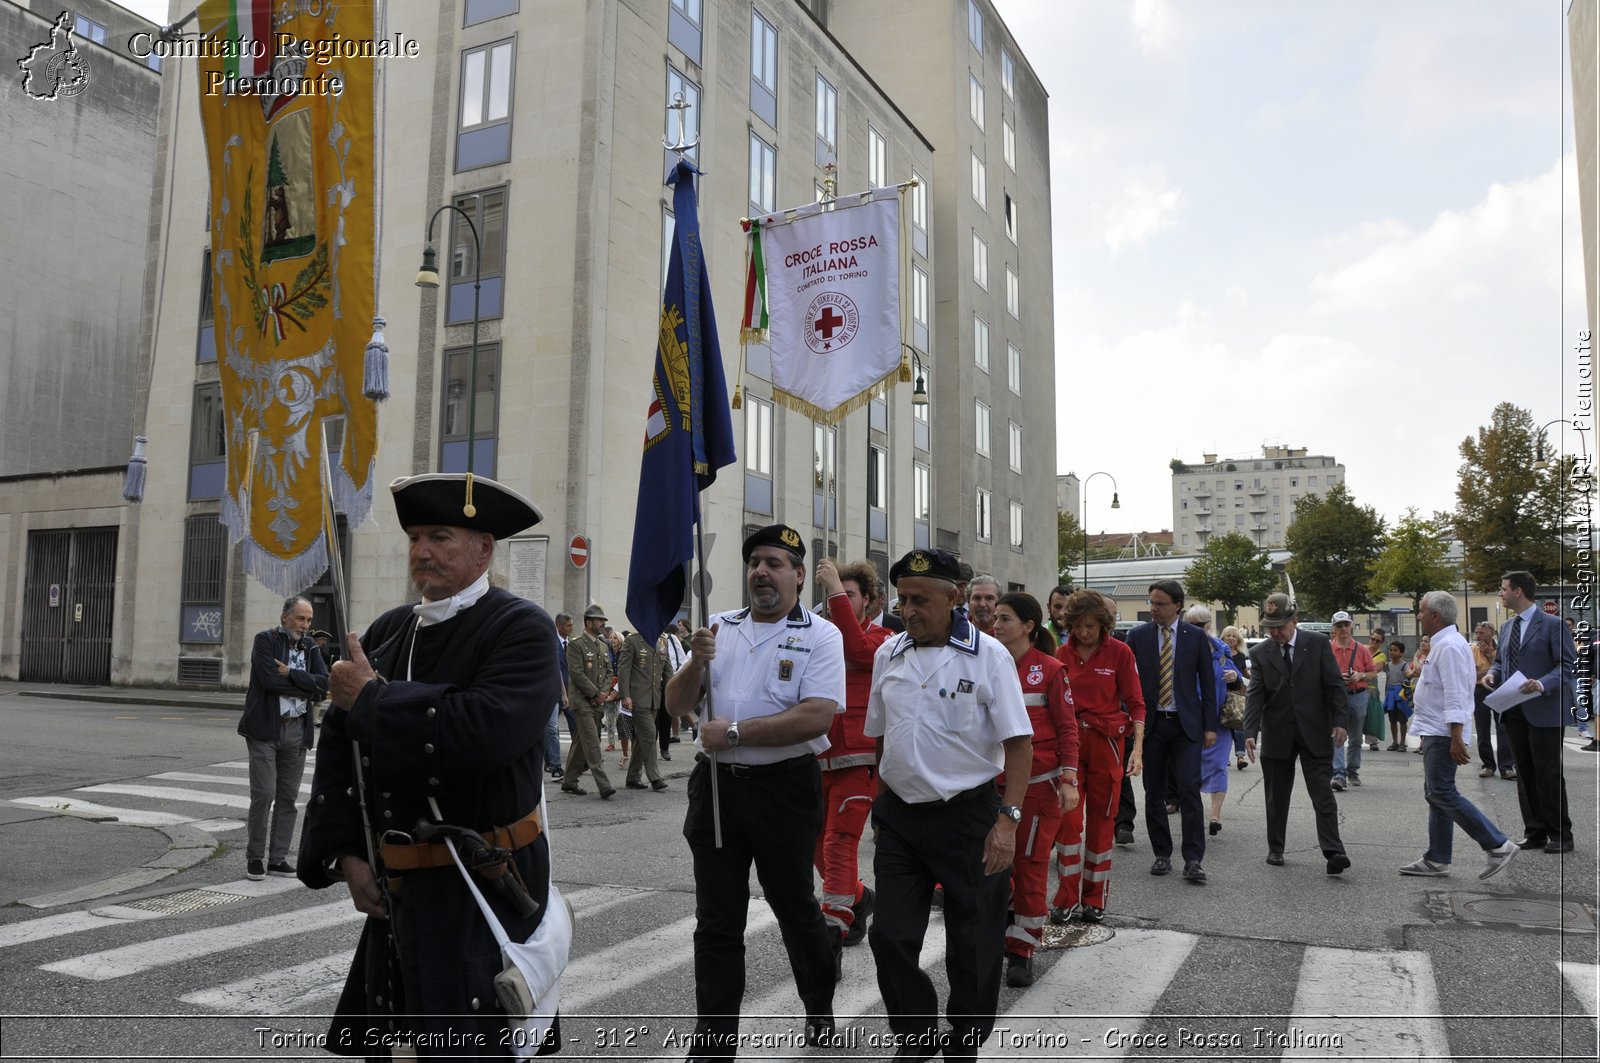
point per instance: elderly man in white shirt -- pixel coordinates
(1442, 717)
(946, 708)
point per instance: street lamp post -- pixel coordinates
(1083, 495)
(428, 277)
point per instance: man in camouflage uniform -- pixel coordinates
(639, 683)
(589, 665)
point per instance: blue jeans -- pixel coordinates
(552, 739)
(1354, 739)
(1447, 809)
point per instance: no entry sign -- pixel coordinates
(578, 551)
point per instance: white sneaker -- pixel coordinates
(1499, 858)
(1426, 868)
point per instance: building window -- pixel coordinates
(1014, 369)
(877, 478)
(487, 210)
(1311, 481)
(921, 491)
(975, 99)
(1013, 294)
(453, 424)
(1008, 138)
(877, 159)
(206, 340)
(1015, 433)
(208, 444)
(763, 52)
(758, 455)
(980, 343)
(1011, 218)
(1008, 73)
(484, 125)
(919, 214)
(980, 261)
(763, 176)
(669, 226)
(483, 10)
(153, 61)
(827, 122)
(1015, 528)
(824, 476)
(919, 307)
(89, 29)
(975, 24)
(984, 516)
(677, 83)
(980, 182)
(684, 27)
(205, 565)
(921, 428)
(982, 423)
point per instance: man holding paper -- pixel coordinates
(1535, 646)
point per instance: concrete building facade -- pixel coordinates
(1254, 496)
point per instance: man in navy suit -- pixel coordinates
(1537, 645)
(1180, 696)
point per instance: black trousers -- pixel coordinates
(920, 845)
(1483, 718)
(1127, 807)
(770, 817)
(1277, 778)
(1541, 786)
(666, 727)
(1166, 748)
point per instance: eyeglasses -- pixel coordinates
(1154, 604)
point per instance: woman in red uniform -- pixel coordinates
(1108, 699)
(1052, 779)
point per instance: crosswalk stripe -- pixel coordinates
(1390, 995)
(1068, 1010)
(137, 817)
(1584, 981)
(163, 952)
(168, 793)
(225, 780)
(311, 761)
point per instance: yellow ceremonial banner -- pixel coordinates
(289, 128)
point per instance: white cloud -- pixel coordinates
(1155, 25)
(1145, 205)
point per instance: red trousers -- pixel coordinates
(1030, 868)
(847, 795)
(1088, 833)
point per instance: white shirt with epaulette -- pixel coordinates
(944, 712)
(763, 669)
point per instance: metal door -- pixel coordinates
(67, 604)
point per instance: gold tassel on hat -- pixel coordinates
(469, 510)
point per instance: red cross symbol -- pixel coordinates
(827, 322)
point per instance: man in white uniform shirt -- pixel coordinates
(777, 681)
(1442, 718)
(947, 711)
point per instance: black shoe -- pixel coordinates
(1019, 971)
(1193, 872)
(1338, 784)
(862, 909)
(1533, 841)
(1510, 775)
(1162, 866)
(255, 870)
(1216, 827)
(1592, 747)
(606, 795)
(1242, 764)
(1557, 846)
(819, 1031)
(636, 786)
(938, 897)
(1124, 835)
(580, 791)
(282, 869)
(838, 954)
(659, 784)
(1338, 863)
(1172, 808)
(1275, 859)
(1355, 780)
(1091, 914)
(1063, 916)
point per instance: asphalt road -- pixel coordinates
(1261, 961)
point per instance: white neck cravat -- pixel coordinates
(434, 612)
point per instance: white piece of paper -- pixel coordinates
(1509, 693)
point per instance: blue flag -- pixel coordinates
(688, 432)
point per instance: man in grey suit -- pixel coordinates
(1537, 645)
(1296, 702)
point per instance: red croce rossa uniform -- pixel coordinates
(1047, 695)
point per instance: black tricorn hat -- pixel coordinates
(462, 500)
(929, 564)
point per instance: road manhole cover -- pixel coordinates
(1075, 935)
(184, 901)
(1527, 911)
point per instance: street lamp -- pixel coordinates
(1083, 495)
(919, 389)
(428, 277)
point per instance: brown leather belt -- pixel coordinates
(421, 856)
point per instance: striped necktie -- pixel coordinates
(1166, 667)
(1516, 644)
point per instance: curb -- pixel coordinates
(189, 846)
(198, 701)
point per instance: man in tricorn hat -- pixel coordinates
(1296, 703)
(946, 708)
(589, 690)
(776, 682)
(447, 699)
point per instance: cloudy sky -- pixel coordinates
(1348, 227)
(1336, 226)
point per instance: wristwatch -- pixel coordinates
(1011, 812)
(733, 734)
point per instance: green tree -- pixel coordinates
(1508, 514)
(1231, 571)
(1335, 543)
(1069, 549)
(275, 174)
(1412, 560)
